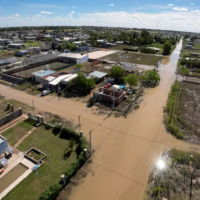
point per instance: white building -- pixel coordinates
(75, 57)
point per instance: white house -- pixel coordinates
(75, 57)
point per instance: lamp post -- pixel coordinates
(79, 117)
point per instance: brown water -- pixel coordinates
(11, 176)
(125, 149)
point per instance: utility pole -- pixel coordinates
(79, 117)
(192, 177)
(33, 107)
(90, 142)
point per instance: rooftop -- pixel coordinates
(43, 73)
(73, 55)
(97, 74)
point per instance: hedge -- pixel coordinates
(147, 50)
(51, 192)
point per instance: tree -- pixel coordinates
(80, 84)
(71, 143)
(167, 47)
(79, 65)
(140, 41)
(116, 72)
(132, 80)
(151, 78)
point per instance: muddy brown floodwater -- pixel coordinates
(125, 149)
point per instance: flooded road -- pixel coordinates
(125, 149)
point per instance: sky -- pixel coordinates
(180, 15)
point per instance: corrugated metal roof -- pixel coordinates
(97, 74)
(43, 73)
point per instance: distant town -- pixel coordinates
(88, 108)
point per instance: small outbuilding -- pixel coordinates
(74, 57)
(97, 74)
(188, 47)
(37, 76)
(15, 46)
(21, 53)
(4, 146)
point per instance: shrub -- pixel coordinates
(47, 126)
(59, 93)
(147, 50)
(91, 101)
(51, 192)
(56, 129)
(180, 135)
(67, 133)
(71, 143)
(83, 143)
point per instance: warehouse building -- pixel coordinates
(37, 76)
(73, 58)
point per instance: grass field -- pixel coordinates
(14, 134)
(54, 164)
(57, 66)
(121, 47)
(16, 104)
(136, 58)
(32, 44)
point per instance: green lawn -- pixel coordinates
(54, 164)
(121, 47)
(16, 104)
(14, 134)
(137, 58)
(32, 44)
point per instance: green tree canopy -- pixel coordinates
(81, 84)
(167, 47)
(151, 77)
(79, 65)
(116, 72)
(132, 80)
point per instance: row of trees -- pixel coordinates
(150, 78)
(67, 45)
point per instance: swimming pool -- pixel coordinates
(11, 176)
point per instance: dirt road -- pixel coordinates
(124, 148)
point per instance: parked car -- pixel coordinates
(129, 91)
(107, 85)
(45, 92)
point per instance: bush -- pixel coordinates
(68, 133)
(180, 135)
(51, 192)
(47, 126)
(56, 129)
(147, 50)
(91, 101)
(59, 93)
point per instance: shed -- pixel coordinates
(4, 146)
(80, 49)
(15, 46)
(37, 76)
(74, 57)
(188, 47)
(97, 74)
(21, 53)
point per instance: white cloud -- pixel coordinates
(44, 12)
(72, 12)
(111, 4)
(180, 9)
(168, 20)
(38, 15)
(16, 15)
(192, 3)
(74, 6)
(170, 4)
(194, 11)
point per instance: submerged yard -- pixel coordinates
(57, 160)
(137, 58)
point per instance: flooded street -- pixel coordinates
(125, 149)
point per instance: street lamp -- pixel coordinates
(80, 122)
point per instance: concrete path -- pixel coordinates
(25, 136)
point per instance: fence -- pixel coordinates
(12, 79)
(10, 117)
